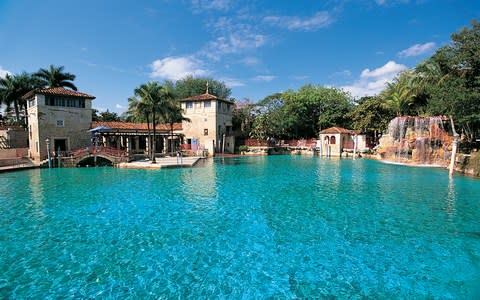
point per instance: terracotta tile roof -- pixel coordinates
(127, 126)
(12, 127)
(334, 130)
(204, 97)
(59, 91)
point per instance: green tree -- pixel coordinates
(313, 108)
(400, 94)
(192, 86)
(108, 116)
(243, 116)
(371, 116)
(12, 90)
(56, 77)
(452, 80)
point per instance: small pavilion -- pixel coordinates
(135, 138)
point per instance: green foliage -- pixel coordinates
(243, 117)
(302, 113)
(371, 115)
(192, 86)
(12, 88)
(452, 80)
(243, 148)
(55, 77)
(105, 116)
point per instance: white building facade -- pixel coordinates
(210, 125)
(59, 119)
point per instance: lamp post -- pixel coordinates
(47, 140)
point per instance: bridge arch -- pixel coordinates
(89, 160)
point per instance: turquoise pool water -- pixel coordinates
(260, 227)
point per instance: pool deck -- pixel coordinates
(164, 162)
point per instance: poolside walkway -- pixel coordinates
(20, 165)
(164, 162)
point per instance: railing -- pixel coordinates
(311, 143)
(91, 150)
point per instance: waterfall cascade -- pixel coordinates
(417, 140)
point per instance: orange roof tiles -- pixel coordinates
(57, 91)
(204, 97)
(334, 130)
(127, 126)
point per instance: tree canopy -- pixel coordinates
(56, 77)
(192, 86)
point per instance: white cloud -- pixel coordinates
(372, 82)
(232, 82)
(319, 20)
(300, 77)
(205, 5)
(235, 42)
(417, 49)
(3, 72)
(251, 61)
(119, 106)
(386, 70)
(175, 68)
(265, 78)
(344, 73)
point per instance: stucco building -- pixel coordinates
(335, 141)
(62, 116)
(210, 123)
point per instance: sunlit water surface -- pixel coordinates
(261, 227)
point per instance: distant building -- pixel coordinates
(62, 116)
(210, 123)
(62, 119)
(335, 141)
(135, 138)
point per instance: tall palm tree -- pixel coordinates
(173, 114)
(400, 94)
(12, 88)
(8, 95)
(56, 77)
(138, 111)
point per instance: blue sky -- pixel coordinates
(256, 47)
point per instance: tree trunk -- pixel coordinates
(149, 138)
(154, 140)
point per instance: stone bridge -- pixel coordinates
(115, 156)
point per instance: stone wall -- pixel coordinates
(468, 164)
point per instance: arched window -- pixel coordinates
(332, 140)
(327, 140)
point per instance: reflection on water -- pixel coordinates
(278, 227)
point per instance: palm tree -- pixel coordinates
(8, 95)
(173, 113)
(400, 94)
(56, 77)
(12, 88)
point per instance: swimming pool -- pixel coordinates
(253, 227)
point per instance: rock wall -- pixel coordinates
(468, 164)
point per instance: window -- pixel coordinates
(207, 103)
(67, 102)
(32, 102)
(189, 104)
(205, 131)
(60, 123)
(332, 140)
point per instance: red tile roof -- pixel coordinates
(58, 91)
(127, 126)
(204, 97)
(335, 130)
